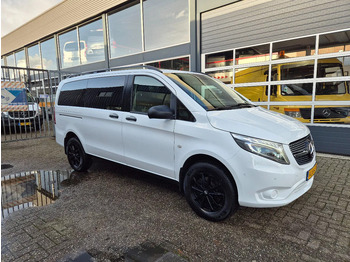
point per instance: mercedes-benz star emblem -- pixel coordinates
(326, 112)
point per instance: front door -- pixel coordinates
(149, 143)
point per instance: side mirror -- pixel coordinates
(160, 112)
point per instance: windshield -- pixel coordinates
(209, 93)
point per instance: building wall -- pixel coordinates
(253, 22)
(60, 17)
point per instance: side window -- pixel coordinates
(148, 92)
(104, 92)
(71, 93)
(182, 113)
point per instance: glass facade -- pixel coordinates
(69, 49)
(182, 64)
(125, 36)
(48, 54)
(166, 23)
(92, 42)
(34, 57)
(298, 70)
(20, 59)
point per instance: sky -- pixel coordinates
(15, 13)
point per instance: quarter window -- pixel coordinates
(148, 92)
(72, 93)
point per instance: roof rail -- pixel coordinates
(116, 69)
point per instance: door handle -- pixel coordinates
(114, 116)
(131, 118)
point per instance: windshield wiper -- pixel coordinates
(240, 105)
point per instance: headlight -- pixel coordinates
(271, 150)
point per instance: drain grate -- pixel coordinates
(6, 166)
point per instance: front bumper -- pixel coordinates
(265, 183)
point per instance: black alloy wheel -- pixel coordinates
(210, 192)
(76, 155)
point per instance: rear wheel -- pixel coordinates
(210, 192)
(76, 155)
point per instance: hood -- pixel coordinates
(259, 123)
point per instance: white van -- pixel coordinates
(223, 150)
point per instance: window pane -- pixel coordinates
(254, 93)
(301, 113)
(294, 48)
(71, 93)
(20, 59)
(148, 92)
(69, 49)
(296, 70)
(92, 46)
(328, 91)
(166, 23)
(48, 54)
(253, 54)
(10, 60)
(219, 59)
(334, 43)
(183, 113)
(34, 57)
(125, 32)
(105, 93)
(252, 74)
(332, 114)
(2, 61)
(223, 75)
(333, 67)
(176, 64)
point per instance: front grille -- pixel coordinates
(325, 112)
(302, 151)
(21, 114)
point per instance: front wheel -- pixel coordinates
(76, 155)
(210, 192)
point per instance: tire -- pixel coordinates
(77, 158)
(209, 192)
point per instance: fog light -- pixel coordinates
(270, 194)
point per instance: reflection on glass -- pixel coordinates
(69, 49)
(332, 114)
(20, 59)
(175, 64)
(10, 60)
(252, 74)
(92, 46)
(334, 43)
(328, 91)
(125, 32)
(2, 61)
(294, 48)
(301, 113)
(34, 57)
(333, 67)
(219, 59)
(296, 70)
(254, 93)
(48, 54)
(223, 75)
(169, 25)
(252, 54)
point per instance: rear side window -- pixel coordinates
(71, 93)
(148, 92)
(104, 93)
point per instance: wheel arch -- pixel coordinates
(208, 159)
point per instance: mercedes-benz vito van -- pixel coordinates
(223, 150)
